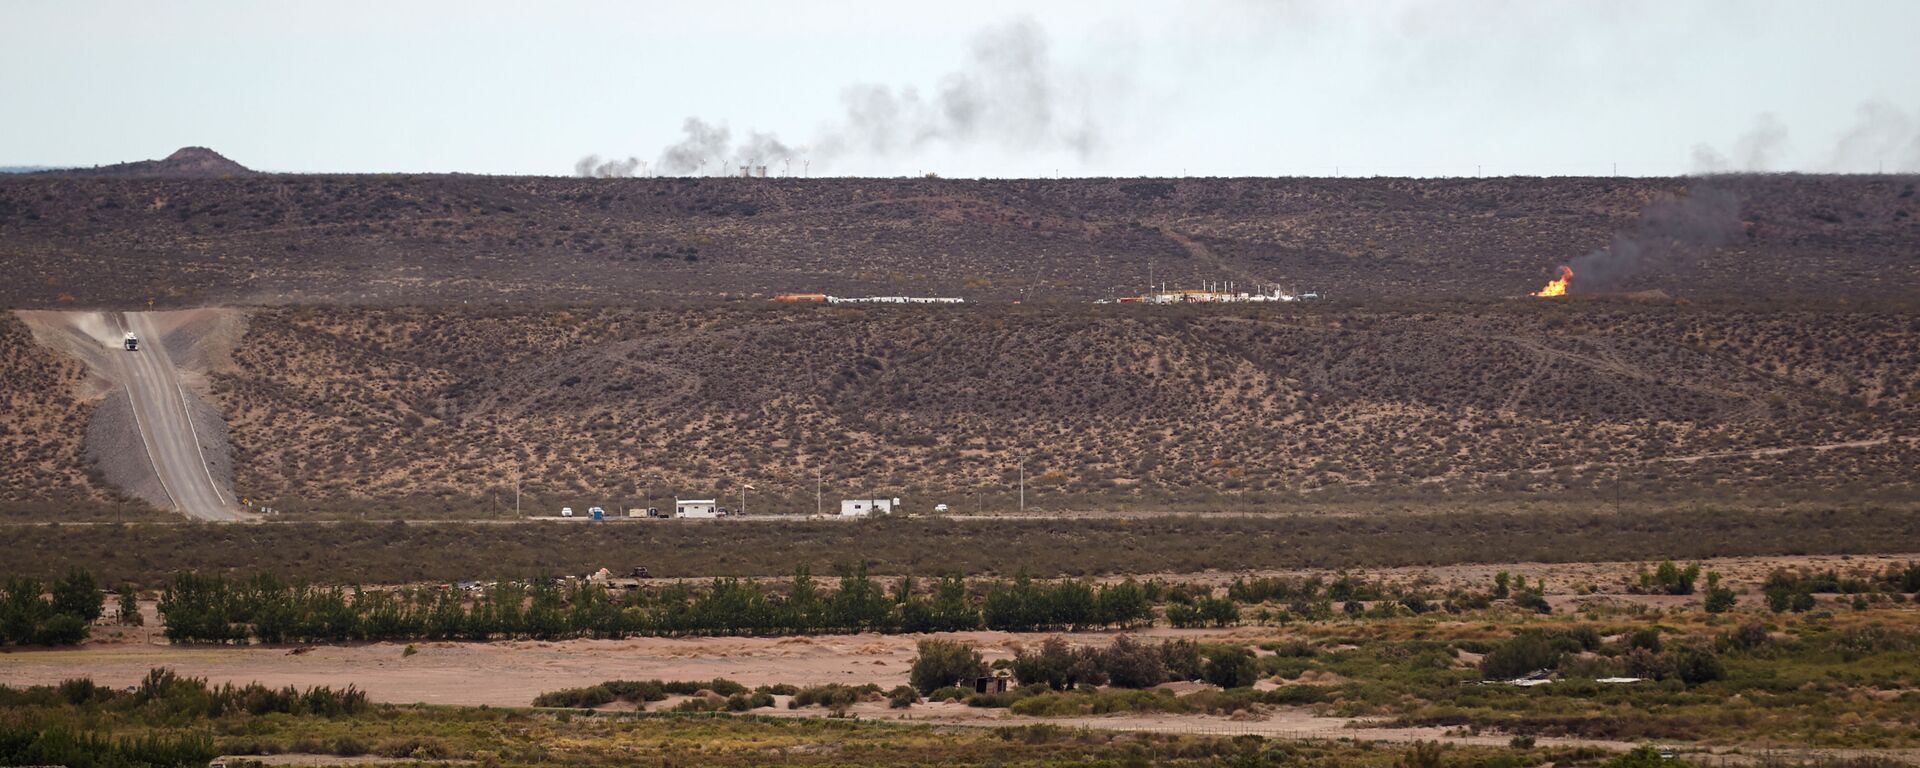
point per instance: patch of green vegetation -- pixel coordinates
(1837, 682)
(82, 725)
(1829, 681)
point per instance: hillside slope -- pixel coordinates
(120, 242)
(443, 409)
(47, 405)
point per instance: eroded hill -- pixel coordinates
(425, 409)
(184, 163)
(120, 242)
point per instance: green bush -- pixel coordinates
(130, 608)
(78, 595)
(993, 700)
(1695, 664)
(61, 629)
(1130, 663)
(1521, 654)
(741, 702)
(1058, 666)
(1230, 666)
(719, 685)
(636, 690)
(1099, 703)
(702, 704)
(1182, 659)
(1645, 637)
(949, 693)
(944, 663)
(1297, 695)
(416, 747)
(58, 744)
(27, 617)
(1719, 599)
(577, 698)
(1670, 579)
(833, 696)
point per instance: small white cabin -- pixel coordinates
(696, 508)
(866, 507)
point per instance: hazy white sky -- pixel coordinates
(980, 88)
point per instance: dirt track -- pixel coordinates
(166, 426)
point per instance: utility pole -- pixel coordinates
(516, 495)
(819, 501)
(1023, 485)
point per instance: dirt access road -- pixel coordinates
(166, 427)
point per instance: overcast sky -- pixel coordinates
(976, 88)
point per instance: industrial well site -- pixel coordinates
(749, 454)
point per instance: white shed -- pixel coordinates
(865, 507)
(695, 508)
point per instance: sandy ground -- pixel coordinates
(510, 673)
(513, 673)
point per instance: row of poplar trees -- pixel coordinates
(211, 608)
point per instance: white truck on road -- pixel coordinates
(131, 342)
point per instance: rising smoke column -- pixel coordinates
(1756, 151)
(1008, 94)
(704, 145)
(1884, 137)
(591, 166)
(1669, 236)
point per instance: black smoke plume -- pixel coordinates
(592, 166)
(1669, 237)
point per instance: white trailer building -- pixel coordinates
(866, 507)
(696, 508)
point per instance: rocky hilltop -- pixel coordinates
(184, 163)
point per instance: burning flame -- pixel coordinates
(1558, 287)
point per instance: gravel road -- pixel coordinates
(160, 408)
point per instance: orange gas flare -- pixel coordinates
(1558, 287)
